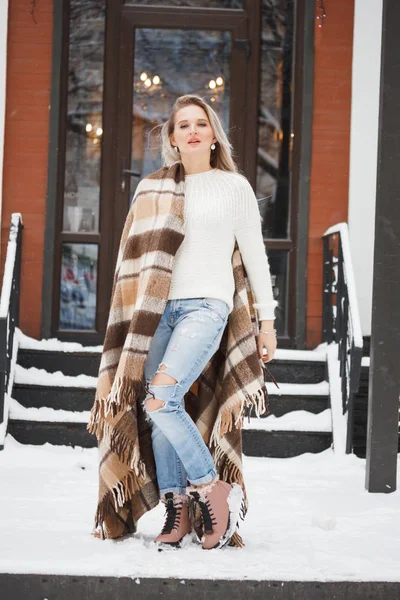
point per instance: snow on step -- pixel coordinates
(45, 414)
(53, 344)
(303, 355)
(299, 389)
(297, 420)
(34, 376)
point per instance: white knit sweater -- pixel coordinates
(219, 207)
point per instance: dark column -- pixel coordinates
(384, 375)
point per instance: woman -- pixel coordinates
(220, 207)
(182, 358)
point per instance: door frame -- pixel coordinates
(302, 125)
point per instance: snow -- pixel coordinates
(34, 376)
(54, 345)
(310, 518)
(306, 355)
(296, 420)
(45, 414)
(298, 389)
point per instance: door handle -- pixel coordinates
(131, 173)
(126, 172)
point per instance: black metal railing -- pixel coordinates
(340, 317)
(9, 313)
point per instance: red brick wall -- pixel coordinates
(26, 146)
(330, 146)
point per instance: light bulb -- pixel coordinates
(156, 79)
(219, 80)
(143, 76)
(99, 131)
(147, 83)
(89, 127)
(212, 84)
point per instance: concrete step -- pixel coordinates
(81, 587)
(298, 366)
(81, 398)
(256, 442)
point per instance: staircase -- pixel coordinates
(54, 390)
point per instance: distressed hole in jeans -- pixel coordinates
(159, 379)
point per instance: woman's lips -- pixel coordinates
(195, 142)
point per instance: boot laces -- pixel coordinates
(206, 512)
(172, 513)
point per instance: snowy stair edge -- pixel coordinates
(296, 420)
(42, 378)
(45, 414)
(54, 345)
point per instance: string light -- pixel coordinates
(322, 16)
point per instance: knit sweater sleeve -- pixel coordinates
(247, 228)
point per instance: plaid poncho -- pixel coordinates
(231, 382)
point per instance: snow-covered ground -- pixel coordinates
(310, 518)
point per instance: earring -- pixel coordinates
(213, 146)
(176, 148)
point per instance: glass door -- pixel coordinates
(165, 54)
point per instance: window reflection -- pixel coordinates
(162, 72)
(84, 116)
(78, 286)
(274, 124)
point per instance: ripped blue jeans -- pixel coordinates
(188, 334)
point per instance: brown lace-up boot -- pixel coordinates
(177, 522)
(220, 504)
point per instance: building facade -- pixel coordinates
(85, 85)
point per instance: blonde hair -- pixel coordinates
(220, 158)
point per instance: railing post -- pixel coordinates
(327, 317)
(9, 313)
(344, 328)
(3, 366)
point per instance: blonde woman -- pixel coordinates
(220, 207)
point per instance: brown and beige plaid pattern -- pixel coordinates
(231, 383)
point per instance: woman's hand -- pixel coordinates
(267, 341)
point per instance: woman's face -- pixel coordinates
(192, 132)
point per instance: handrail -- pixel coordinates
(340, 317)
(9, 313)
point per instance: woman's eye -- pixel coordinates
(201, 125)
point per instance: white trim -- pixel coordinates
(364, 149)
